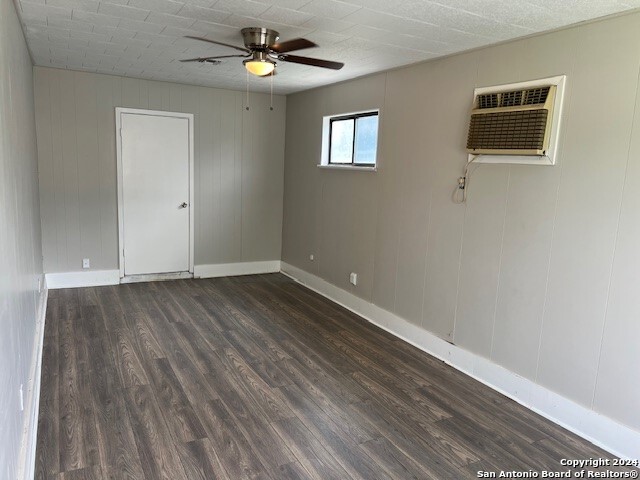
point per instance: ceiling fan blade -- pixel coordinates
(242, 49)
(206, 59)
(291, 45)
(314, 62)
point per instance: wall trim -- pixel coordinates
(30, 433)
(88, 278)
(234, 269)
(600, 430)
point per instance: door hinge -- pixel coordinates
(123, 252)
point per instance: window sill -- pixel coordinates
(349, 167)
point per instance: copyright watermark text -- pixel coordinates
(586, 468)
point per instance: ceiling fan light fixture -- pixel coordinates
(260, 67)
(261, 49)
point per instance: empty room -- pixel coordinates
(319, 239)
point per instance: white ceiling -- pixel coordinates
(144, 38)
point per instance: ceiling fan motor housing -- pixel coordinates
(259, 56)
(259, 38)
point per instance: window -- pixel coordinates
(352, 140)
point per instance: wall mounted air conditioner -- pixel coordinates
(516, 123)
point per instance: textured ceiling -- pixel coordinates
(144, 38)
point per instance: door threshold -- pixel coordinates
(156, 277)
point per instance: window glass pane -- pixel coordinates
(341, 141)
(366, 140)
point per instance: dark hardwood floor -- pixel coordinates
(258, 377)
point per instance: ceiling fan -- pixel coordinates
(261, 50)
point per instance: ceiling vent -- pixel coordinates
(516, 123)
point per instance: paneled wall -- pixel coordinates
(539, 271)
(239, 157)
(20, 249)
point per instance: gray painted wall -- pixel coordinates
(20, 250)
(540, 270)
(239, 158)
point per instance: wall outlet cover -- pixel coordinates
(86, 263)
(353, 278)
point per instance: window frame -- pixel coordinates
(354, 117)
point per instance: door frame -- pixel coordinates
(119, 111)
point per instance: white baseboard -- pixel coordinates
(233, 269)
(87, 278)
(32, 395)
(96, 278)
(602, 431)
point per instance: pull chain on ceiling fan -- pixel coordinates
(261, 50)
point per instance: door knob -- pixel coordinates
(183, 205)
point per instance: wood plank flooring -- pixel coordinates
(258, 377)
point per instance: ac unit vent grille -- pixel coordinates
(536, 96)
(489, 100)
(511, 99)
(521, 130)
(515, 98)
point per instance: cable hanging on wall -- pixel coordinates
(462, 188)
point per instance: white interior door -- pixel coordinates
(155, 193)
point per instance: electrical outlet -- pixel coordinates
(21, 399)
(86, 263)
(311, 257)
(353, 278)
